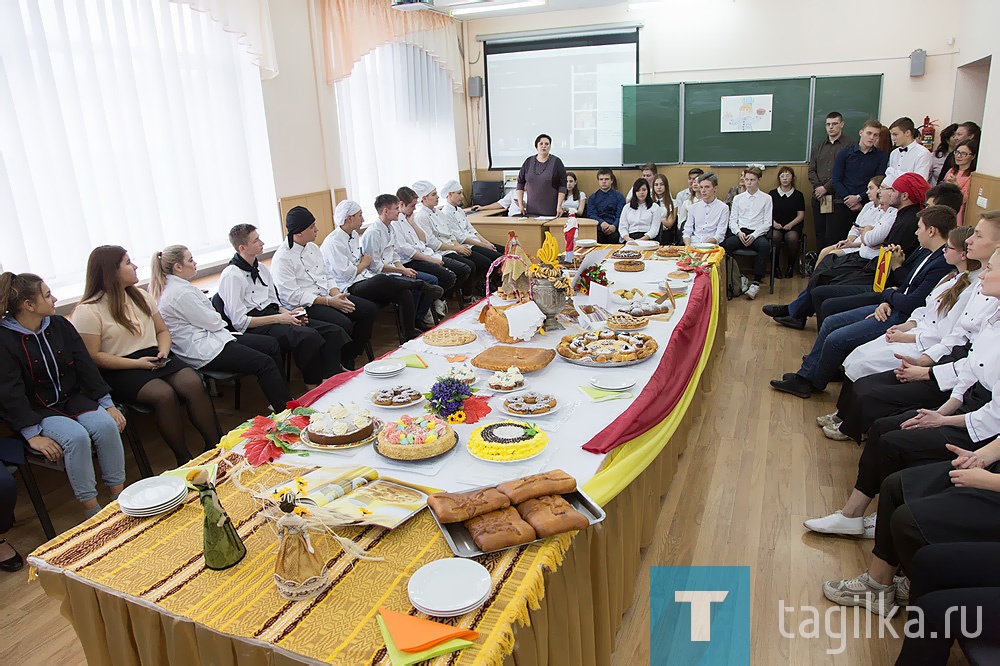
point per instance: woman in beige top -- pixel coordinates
(130, 343)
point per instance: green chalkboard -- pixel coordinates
(651, 123)
(858, 98)
(706, 143)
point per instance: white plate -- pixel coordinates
(644, 244)
(506, 462)
(151, 493)
(704, 246)
(500, 390)
(458, 613)
(586, 242)
(449, 585)
(371, 398)
(384, 368)
(503, 406)
(612, 383)
(151, 513)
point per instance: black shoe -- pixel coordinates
(790, 272)
(775, 310)
(347, 363)
(788, 376)
(791, 322)
(12, 564)
(433, 290)
(778, 274)
(796, 386)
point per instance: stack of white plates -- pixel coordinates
(449, 587)
(387, 368)
(612, 383)
(153, 496)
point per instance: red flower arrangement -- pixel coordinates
(269, 438)
(593, 274)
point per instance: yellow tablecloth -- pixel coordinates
(137, 591)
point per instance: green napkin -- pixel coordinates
(182, 472)
(601, 395)
(412, 360)
(400, 658)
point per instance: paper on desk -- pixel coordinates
(546, 217)
(600, 296)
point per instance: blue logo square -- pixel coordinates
(699, 615)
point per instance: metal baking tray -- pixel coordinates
(590, 363)
(461, 543)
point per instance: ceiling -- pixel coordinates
(550, 6)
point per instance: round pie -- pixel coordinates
(626, 254)
(397, 396)
(415, 437)
(624, 322)
(629, 266)
(607, 346)
(530, 403)
(678, 275)
(448, 337)
(669, 251)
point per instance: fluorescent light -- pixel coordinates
(491, 7)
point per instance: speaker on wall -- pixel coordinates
(475, 86)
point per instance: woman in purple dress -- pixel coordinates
(543, 177)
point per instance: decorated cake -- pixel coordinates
(607, 346)
(626, 254)
(340, 425)
(397, 396)
(507, 380)
(416, 437)
(463, 372)
(507, 441)
(530, 403)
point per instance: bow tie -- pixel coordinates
(903, 150)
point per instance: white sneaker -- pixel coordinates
(752, 291)
(902, 584)
(441, 308)
(836, 523)
(428, 319)
(745, 283)
(833, 432)
(828, 420)
(862, 591)
(869, 523)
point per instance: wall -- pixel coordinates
(717, 40)
(971, 85)
(976, 39)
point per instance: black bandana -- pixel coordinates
(242, 264)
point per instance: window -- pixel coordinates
(138, 124)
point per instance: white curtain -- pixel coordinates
(250, 20)
(397, 125)
(131, 122)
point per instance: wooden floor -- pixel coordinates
(757, 466)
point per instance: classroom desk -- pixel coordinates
(494, 225)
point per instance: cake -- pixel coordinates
(607, 346)
(464, 373)
(507, 441)
(340, 425)
(629, 266)
(530, 403)
(506, 380)
(625, 322)
(397, 396)
(415, 437)
(626, 254)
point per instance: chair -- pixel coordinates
(751, 253)
(13, 451)
(211, 377)
(220, 307)
(138, 451)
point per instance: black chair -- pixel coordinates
(220, 307)
(211, 379)
(13, 453)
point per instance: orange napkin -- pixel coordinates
(456, 358)
(413, 634)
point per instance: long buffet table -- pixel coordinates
(137, 591)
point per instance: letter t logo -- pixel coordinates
(701, 610)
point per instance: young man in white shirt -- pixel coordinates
(750, 220)
(708, 218)
(302, 282)
(368, 267)
(415, 253)
(507, 202)
(484, 252)
(249, 300)
(909, 155)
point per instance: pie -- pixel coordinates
(448, 337)
(607, 346)
(670, 251)
(678, 275)
(624, 322)
(626, 254)
(530, 403)
(629, 266)
(501, 357)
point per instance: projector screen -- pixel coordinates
(568, 88)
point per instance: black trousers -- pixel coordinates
(897, 537)
(820, 222)
(839, 224)
(890, 449)
(761, 246)
(831, 299)
(610, 239)
(483, 258)
(315, 347)
(464, 269)
(447, 278)
(8, 497)
(240, 356)
(937, 585)
(383, 289)
(357, 324)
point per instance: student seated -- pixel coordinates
(129, 342)
(605, 206)
(750, 220)
(198, 335)
(969, 417)
(576, 200)
(250, 301)
(461, 228)
(870, 228)
(686, 198)
(946, 146)
(53, 394)
(668, 231)
(788, 208)
(369, 268)
(708, 217)
(739, 188)
(840, 334)
(439, 235)
(415, 253)
(949, 502)
(508, 202)
(302, 281)
(965, 156)
(640, 218)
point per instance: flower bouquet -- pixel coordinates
(593, 274)
(454, 401)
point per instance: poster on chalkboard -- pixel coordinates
(746, 113)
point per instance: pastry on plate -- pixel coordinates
(629, 266)
(448, 337)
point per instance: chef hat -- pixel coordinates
(344, 210)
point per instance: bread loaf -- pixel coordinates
(499, 529)
(551, 515)
(459, 507)
(555, 482)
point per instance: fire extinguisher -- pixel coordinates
(927, 133)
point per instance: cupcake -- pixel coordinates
(464, 373)
(506, 380)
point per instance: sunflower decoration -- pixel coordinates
(548, 266)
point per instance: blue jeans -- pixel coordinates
(802, 306)
(839, 335)
(74, 437)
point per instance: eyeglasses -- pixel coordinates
(958, 154)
